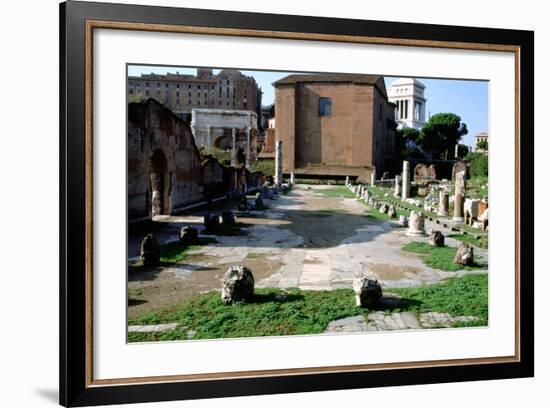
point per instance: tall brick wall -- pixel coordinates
(154, 130)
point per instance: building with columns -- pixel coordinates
(408, 96)
(229, 130)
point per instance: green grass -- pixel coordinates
(305, 312)
(480, 242)
(267, 167)
(465, 296)
(174, 252)
(221, 155)
(252, 255)
(439, 257)
(337, 192)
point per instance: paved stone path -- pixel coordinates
(305, 239)
(373, 247)
(381, 321)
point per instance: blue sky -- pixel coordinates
(468, 99)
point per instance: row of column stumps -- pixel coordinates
(402, 191)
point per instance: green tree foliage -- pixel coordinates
(479, 165)
(483, 145)
(440, 134)
(407, 144)
(463, 151)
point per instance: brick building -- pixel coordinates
(229, 89)
(335, 125)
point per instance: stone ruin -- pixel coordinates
(211, 222)
(149, 251)
(464, 255)
(258, 201)
(423, 172)
(367, 291)
(188, 235)
(383, 208)
(436, 239)
(237, 285)
(416, 224)
(403, 221)
(228, 218)
(391, 212)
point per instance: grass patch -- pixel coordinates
(221, 155)
(338, 192)
(174, 252)
(439, 257)
(480, 242)
(252, 255)
(305, 312)
(465, 296)
(267, 167)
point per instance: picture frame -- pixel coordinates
(78, 20)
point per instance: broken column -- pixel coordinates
(233, 147)
(209, 133)
(367, 291)
(406, 177)
(460, 190)
(292, 178)
(278, 163)
(237, 285)
(443, 209)
(416, 224)
(373, 176)
(397, 192)
(247, 163)
(347, 180)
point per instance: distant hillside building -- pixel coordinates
(334, 125)
(482, 136)
(408, 96)
(229, 89)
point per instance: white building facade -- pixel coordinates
(408, 95)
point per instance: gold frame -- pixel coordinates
(117, 25)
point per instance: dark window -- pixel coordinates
(325, 106)
(147, 92)
(178, 86)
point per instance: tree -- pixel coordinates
(407, 144)
(439, 136)
(463, 151)
(482, 145)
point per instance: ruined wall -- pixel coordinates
(214, 178)
(154, 131)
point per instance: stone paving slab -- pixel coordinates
(152, 328)
(381, 321)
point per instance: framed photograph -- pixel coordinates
(256, 204)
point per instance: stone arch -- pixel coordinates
(159, 183)
(223, 142)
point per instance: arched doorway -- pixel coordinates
(159, 183)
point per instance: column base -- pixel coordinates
(458, 220)
(416, 233)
